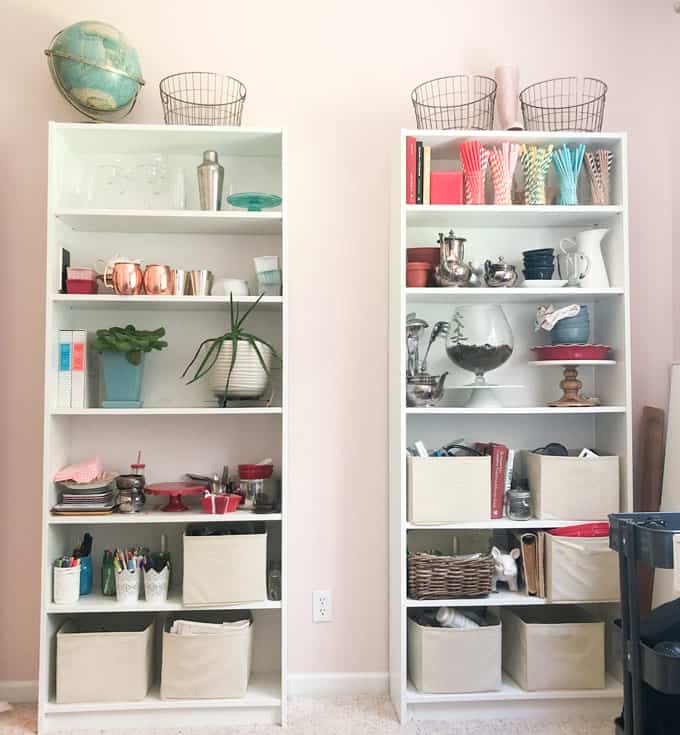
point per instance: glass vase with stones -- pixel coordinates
(480, 340)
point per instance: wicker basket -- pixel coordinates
(432, 577)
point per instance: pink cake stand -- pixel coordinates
(174, 491)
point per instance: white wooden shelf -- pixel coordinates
(502, 598)
(95, 602)
(167, 222)
(164, 303)
(264, 690)
(159, 516)
(513, 410)
(495, 524)
(511, 691)
(171, 411)
(461, 216)
(517, 294)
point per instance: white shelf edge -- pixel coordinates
(514, 293)
(514, 411)
(171, 301)
(511, 691)
(177, 411)
(159, 516)
(264, 690)
(168, 213)
(502, 598)
(97, 603)
(515, 209)
(497, 523)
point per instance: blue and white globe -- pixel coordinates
(96, 69)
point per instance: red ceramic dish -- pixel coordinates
(423, 255)
(222, 503)
(571, 352)
(80, 286)
(417, 274)
(255, 471)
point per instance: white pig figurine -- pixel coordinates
(506, 568)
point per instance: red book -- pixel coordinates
(499, 461)
(410, 170)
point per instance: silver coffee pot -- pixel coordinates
(452, 270)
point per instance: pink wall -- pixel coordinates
(338, 76)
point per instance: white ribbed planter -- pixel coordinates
(248, 378)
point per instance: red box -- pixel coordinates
(80, 286)
(446, 187)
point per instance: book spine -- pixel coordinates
(427, 159)
(508, 472)
(410, 170)
(79, 370)
(64, 378)
(499, 460)
(419, 172)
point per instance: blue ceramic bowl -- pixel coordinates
(538, 274)
(549, 263)
(570, 335)
(539, 251)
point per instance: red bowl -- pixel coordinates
(423, 255)
(255, 471)
(571, 352)
(417, 274)
(223, 503)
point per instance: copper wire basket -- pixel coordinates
(459, 102)
(434, 577)
(565, 103)
(202, 98)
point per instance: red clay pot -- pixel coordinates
(417, 274)
(424, 255)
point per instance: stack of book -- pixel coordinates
(73, 386)
(425, 185)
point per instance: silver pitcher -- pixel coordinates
(210, 181)
(452, 270)
(500, 274)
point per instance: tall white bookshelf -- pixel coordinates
(180, 428)
(524, 421)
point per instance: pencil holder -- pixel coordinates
(156, 585)
(85, 575)
(127, 585)
(66, 588)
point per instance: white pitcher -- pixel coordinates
(588, 243)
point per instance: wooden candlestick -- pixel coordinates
(571, 387)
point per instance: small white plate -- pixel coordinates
(544, 284)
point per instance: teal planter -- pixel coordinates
(122, 381)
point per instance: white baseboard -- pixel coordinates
(19, 692)
(337, 685)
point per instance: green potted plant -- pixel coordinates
(239, 362)
(121, 350)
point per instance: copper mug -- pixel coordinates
(158, 280)
(124, 277)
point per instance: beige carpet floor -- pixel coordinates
(342, 716)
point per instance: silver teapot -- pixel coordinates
(452, 270)
(424, 390)
(500, 274)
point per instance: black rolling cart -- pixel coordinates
(651, 678)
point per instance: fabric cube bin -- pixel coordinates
(221, 570)
(553, 648)
(448, 489)
(581, 569)
(573, 488)
(206, 665)
(436, 656)
(104, 660)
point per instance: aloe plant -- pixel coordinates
(209, 350)
(133, 342)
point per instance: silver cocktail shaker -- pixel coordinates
(210, 180)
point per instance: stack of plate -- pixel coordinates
(86, 497)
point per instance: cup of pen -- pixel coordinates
(128, 584)
(66, 585)
(156, 584)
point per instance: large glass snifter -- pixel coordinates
(479, 339)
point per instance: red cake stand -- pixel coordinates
(175, 490)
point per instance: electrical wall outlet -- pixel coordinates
(323, 606)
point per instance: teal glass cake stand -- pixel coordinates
(254, 201)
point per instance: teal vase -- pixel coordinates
(122, 381)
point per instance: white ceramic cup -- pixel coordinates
(66, 588)
(234, 286)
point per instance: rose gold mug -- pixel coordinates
(124, 277)
(158, 280)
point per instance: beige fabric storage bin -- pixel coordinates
(573, 488)
(553, 648)
(581, 569)
(206, 665)
(448, 489)
(109, 661)
(454, 660)
(220, 570)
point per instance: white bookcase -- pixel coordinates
(180, 429)
(524, 421)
